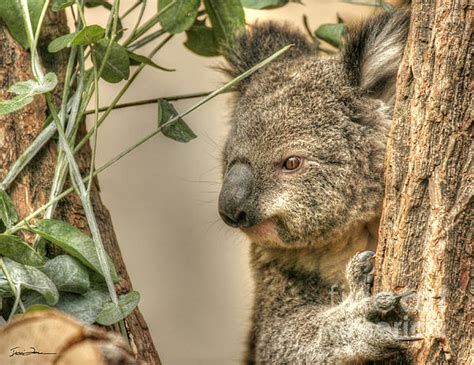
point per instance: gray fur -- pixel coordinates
(305, 225)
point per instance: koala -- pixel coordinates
(303, 179)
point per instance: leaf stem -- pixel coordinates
(155, 100)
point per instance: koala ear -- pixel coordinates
(261, 41)
(372, 52)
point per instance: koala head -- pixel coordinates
(303, 162)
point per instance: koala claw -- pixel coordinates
(360, 272)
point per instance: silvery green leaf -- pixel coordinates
(73, 242)
(7, 209)
(84, 307)
(68, 274)
(16, 249)
(14, 104)
(112, 313)
(29, 277)
(31, 87)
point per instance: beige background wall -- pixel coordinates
(191, 270)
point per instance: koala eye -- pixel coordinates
(292, 163)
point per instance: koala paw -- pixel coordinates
(369, 337)
(360, 273)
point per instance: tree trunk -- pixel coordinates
(31, 189)
(426, 229)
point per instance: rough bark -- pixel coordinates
(31, 189)
(426, 228)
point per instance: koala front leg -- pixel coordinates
(346, 333)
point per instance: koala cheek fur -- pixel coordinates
(334, 113)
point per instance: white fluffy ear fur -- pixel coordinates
(372, 53)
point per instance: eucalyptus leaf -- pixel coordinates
(68, 274)
(263, 4)
(37, 308)
(227, 19)
(32, 87)
(117, 65)
(26, 90)
(139, 59)
(180, 16)
(31, 278)
(112, 313)
(95, 3)
(7, 209)
(10, 13)
(73, 242)
(61, 42)
(178, 130)
(18, 250)
(200, 40)
(84, 307)
(14, 104)
(89, 35)
(59, 5)
(331, 33)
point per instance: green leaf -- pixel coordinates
(14, 104)
(26, 90)
(117, 66)
(89, 35)
(37, 308)
(31, 278)
(264, 4)
(112, 313)
(178, 130)
(179, 16)
(227, 19)
(95, 3)
(331, 33)
(7, 209)
(84, 307)
(200, 40)
(61, 42)
(16, 249)
(138, 59)
(59, 5)
(32, 87)
(73, 241)
(5, 290)
(68, 274)
(10, 13)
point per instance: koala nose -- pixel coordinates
(235, 206)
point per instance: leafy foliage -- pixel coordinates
(72, 241)
(116, 65)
